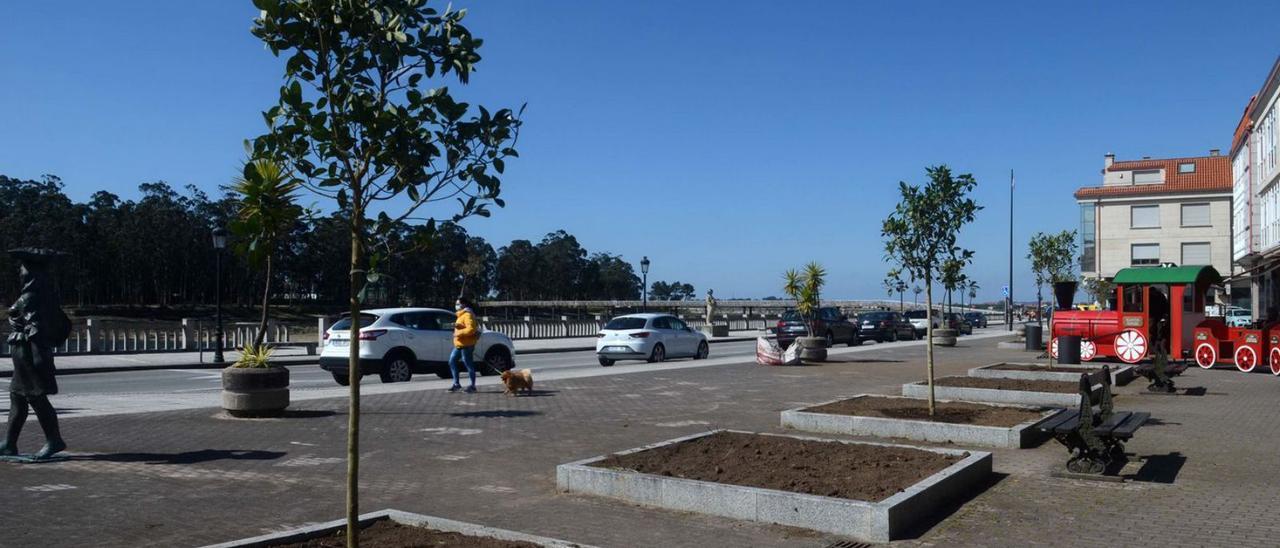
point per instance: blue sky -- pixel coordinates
(727, 141)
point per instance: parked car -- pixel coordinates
(885, 327)
(957, 322)
(396, 343)
(1239, 317)
(651, 337)
(920, 321)
(830, 323)
(977, 319)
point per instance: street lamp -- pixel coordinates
(219, 243)
(644, 270)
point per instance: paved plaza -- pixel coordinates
(190, 477)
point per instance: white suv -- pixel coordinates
(395, 343)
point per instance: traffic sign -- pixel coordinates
(1006, 290)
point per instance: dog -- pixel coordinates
(516, 380)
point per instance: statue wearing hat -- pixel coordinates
(37, 325)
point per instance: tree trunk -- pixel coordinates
(928, 346)
(353, 371)
(266, 300)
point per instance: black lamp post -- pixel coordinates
(644, 270)
(219, 243)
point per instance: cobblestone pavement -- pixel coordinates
(193, 477)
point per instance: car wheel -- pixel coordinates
(704, 350)
(342, 379)
(495, 362)
(857, 341)
(397, 367)
(893, 337)
(658, 354)
(605, 361)
(831, 340)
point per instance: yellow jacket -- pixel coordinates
(465, 330)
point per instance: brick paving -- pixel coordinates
(192, 477)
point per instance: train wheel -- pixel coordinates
(1053, 348)
(1275, 361)
(1131, 346)
(1246, 358)
(1206, 355)
(1088, 350)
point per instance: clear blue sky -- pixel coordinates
(727, 141)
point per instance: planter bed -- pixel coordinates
(1120, 374)
(871, 491)
(1018, 391)
(393, 528)
(966, 423)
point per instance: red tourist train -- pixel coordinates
(1154, 304)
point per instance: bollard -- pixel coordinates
(1033, 334)
(1069, 349)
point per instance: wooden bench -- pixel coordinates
(309, 346)
(1096, 440)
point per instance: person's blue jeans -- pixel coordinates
(464, 354)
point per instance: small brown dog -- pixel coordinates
(517, 379)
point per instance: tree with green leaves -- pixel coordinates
(920, 236)
(805, 288)
(893, 283)
(356, 123)
(953, 277)
(1100, 289)
(267, 213)
(973, 287)
(1053, 258)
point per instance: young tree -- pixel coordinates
(893, 283)
(267, 213)
(805, 288)
(920, 235)
(953, 277)
(1052, 257)
(916, 300)
(356, 124)
(1100, 289)
(972, 286)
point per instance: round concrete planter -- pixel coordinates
(812, 349)
(944, 337)
(255, 391)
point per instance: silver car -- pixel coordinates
(651, 337)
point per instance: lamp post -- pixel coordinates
(644, 270)
(219, 243)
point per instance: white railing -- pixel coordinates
(97, 337)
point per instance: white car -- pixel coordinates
(652, 337)
(1239, 317)
(921, 323)
(395, 343)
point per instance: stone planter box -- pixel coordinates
(871, 521)
(404, 518)
(1121, 374)
(1012, 437)
(991, 395)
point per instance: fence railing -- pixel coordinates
(96, 337)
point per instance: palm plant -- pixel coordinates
(267, 212)
(805, 288)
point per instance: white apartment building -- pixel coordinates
(1255, 151)
(1150, 212)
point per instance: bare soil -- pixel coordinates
(389, 534)
(1061, 387)
(945, 412)
(1045, 368)
(831, 469)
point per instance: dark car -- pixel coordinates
(977, 319)
(958, 323)
(885, 327)
(830, 323)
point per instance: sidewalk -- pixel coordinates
(108, 363)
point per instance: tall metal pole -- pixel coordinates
(217, 351)
(1008, 304)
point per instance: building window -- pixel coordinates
(1195, 215)
(1147, 177)
(1147, 216)
(1144, 254)
(1088, 239)
(1187, 167)
(1196, 253)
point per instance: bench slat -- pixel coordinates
(1108, 427)
(1130, 425)
(1064, 421)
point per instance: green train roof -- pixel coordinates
(1191, 274)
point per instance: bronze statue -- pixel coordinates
(37, 326)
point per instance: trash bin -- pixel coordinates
(1033, 333)
(1069, 349)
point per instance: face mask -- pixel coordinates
(457, 306)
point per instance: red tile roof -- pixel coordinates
(1243, 128)
(1213, 174)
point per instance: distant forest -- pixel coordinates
(158, 251)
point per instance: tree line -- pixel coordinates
(158, 250)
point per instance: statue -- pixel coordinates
(37, 326)
(711, 307)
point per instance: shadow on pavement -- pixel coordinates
(1159, 468)
(189, 457)
(308, 413)
(502, 414)
(929, 522)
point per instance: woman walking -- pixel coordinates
(465, 334)
(37, 325)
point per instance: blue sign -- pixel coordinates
(1006, 290)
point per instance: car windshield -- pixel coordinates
(791, 316)
(344, 324)
(915, 314)
(623, 324)
(875, 316)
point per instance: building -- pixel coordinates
(1255, 150)
(1151, 212)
